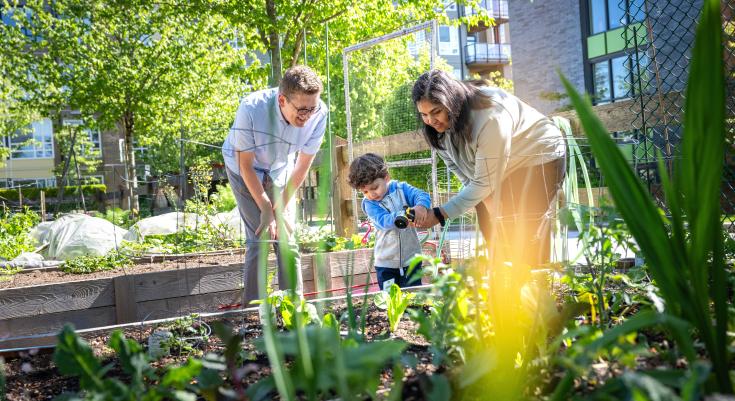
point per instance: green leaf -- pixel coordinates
(180, 376)
(381, 300)
(74, 357)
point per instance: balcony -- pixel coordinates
(497, 9)
(487, 54)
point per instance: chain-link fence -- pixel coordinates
(660, 50)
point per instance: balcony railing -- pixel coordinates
(497, 9)
(487, 53)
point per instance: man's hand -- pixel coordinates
(267, 222)
(420, 213)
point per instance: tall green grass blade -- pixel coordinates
(700, 176)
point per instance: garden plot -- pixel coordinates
(151, 291)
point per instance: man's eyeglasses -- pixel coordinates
(305, 111)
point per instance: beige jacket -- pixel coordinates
(507, 136)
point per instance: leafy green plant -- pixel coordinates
(14, 229)
(606, 239)
(186, 334)
(395, 302)
(223, 200)
(323, 240)
(92, 264)
(287, 304)
(338, 366)
(684, 254)
(74, 357)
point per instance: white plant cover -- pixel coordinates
(41, 232)
(81, 235)
(169, 223)
(28, 258)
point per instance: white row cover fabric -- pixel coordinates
(75, 235)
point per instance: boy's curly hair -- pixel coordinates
(366, 169)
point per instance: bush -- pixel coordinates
(91, 264)
(14, 229)
(223, 200)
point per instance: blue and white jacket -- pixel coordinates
(394, 247)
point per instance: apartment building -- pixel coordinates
(604, 47)
(479, 50)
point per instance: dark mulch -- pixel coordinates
(33, 376)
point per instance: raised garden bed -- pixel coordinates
(35, 376)
(147, 292)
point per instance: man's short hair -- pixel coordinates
(300, 79)
(366, 169)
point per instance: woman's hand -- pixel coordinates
(429, 221)
(420, 213)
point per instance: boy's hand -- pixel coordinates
(420, 212)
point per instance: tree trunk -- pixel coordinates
(132, 179)
(274, 43)
(60, 183)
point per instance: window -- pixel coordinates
(444, 34)
(598, 17)
(601, 73)
(612, 74)
(94, 140)
(620, 78)
(448, 40)
(29, 182)
(606, 15)
(37, 143)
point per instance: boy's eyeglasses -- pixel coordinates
(304, 111)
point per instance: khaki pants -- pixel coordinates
(525, 213)
(250, 214)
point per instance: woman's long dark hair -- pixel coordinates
(457, 97)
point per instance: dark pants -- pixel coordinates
(399, 276)
(250, 214)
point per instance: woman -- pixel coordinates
(509, 157)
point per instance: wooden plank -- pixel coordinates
(51, 322)
(398, 144)
(321, 270)
(354, 262)
(180, 306)
(358, 279)
(187, 281)
(44, 341)
(58, 297)
(126, 309)
(342, 196)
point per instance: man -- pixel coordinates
(271, 126)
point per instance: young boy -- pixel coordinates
(384, 201)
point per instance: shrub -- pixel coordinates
(14, 229)
(92, 264)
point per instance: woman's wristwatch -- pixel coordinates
(439, 216)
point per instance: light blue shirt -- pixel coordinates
(260, 128)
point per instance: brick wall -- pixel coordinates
(546, 36)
